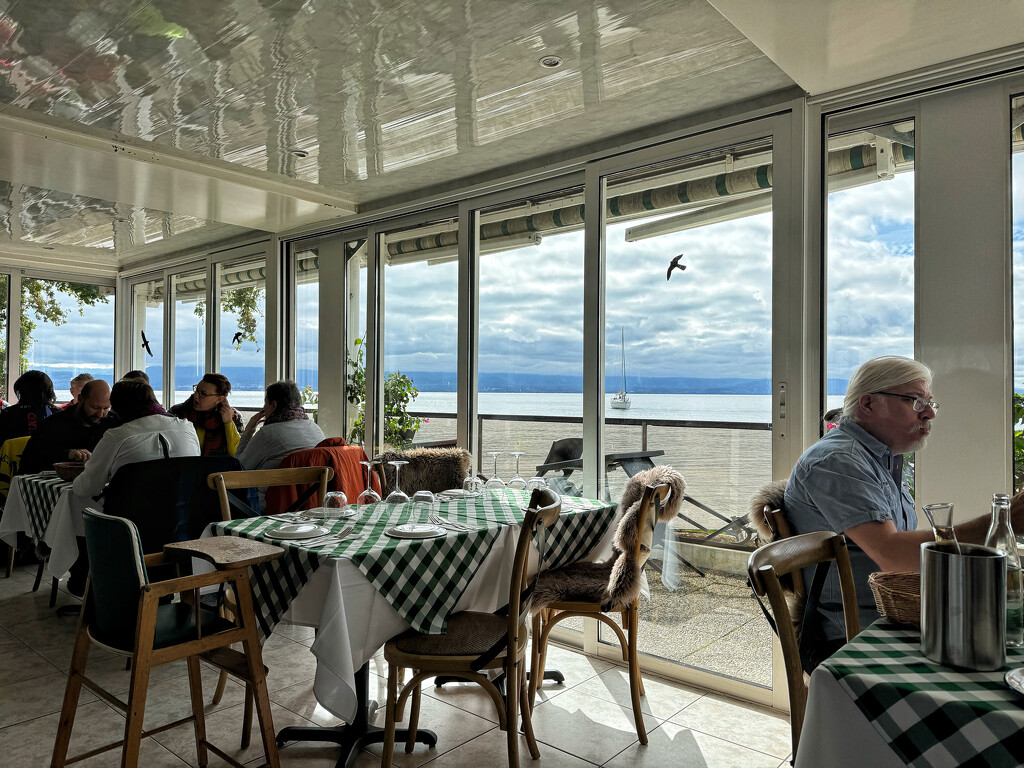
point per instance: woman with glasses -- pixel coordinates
(218, 425)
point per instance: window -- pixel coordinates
(147, 335)
(242, 299)
(189, 331)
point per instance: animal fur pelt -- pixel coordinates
(429, 469)
(771, 496)
(616, 581)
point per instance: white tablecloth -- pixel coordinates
(15, 517)
(64, 528)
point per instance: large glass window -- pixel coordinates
(189, 331)
(147, 335)
(67, 329)
(307, 320)
(688, 373)
(242, 292)
(1017, 176)
(5, 287)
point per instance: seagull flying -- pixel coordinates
(145, 344)
(675, 265)
(237, 338)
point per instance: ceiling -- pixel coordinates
(134, 128)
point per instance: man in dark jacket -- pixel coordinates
(70, 435)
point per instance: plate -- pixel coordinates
(415, 531)
(458, 493)
(1015, 679)
(295, 531)
(333, 513)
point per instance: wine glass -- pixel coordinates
(535, 483)
(518, 482)
(334, 503)
(423, 505)
(472, 484)
(495, 482)
(397, 496)
(368, 496)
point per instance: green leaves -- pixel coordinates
(399, 392)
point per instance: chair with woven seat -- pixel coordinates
(123, 612)
(788, 556)
(594, 590)
(473, 644)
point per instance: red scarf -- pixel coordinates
(215, 441)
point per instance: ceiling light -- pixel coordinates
(550, 62)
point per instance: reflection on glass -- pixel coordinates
(147, 350)
(307, 319)
(189, 332)
(4, 304)
(241, 286)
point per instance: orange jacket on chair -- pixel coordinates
(349, 474)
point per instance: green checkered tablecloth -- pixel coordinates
(39, 494)
(931, 715)
(422, 578)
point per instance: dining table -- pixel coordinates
(367, 586)
(31, 503)
(879, 701)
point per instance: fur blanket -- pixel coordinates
(771, 496)
(429, 469)
(616, 581)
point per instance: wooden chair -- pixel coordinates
(122, 612)
(10, 456)
(766, 566)
(594, 590)
(474, 643)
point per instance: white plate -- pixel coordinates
(1015, 679)
(295, 531)
(415, 531)
(325, 513)
(458, 493)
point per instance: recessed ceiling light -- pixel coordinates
(299, 153)
(550, 62)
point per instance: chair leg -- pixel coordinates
(254, 660)
(535, 671)
(414, 719)
(9, 560)
(39, 575)
(388, 745)
(218, 692)
(247, 718)
(195, 689)
(526, 711)
(79, 657)
(136, 707)
(512, 687)
(54, 584)
(636, 682)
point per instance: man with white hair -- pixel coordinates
(852, 482)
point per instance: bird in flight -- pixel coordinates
(675, 265)
(237, 339)
(145, 344)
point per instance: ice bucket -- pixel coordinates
(963, 598)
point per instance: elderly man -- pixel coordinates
(76, 386)
(852, 482)
(71, 435)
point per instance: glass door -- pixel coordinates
(147, 332)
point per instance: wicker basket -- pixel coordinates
(68, 470)
(897, 596)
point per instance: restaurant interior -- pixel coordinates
(484, 195)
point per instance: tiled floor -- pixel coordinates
(586, 722)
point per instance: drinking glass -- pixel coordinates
(495, 482)
(334, 503)
(368, 496)
(422, 505)
(536, 483)
(940, 516)
(397, 496)
(472, 484)
(518, 482)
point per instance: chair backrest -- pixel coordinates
(766, 566)
(117, 574)
(10, 457)
(768, 516)
(332, 452)
(167, 499)
(564, 449)
(429, 469)
(222, 482)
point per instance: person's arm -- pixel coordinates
(232, 437)
(249, 431)
(97, 469)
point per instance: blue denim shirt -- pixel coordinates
(845, 479)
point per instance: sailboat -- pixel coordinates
(620, 401)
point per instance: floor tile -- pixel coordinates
(299, 699)
(754, 727)
(9, 642)
(662, 699)
(34, 698)
(295, 632)
(672, 744)
(492, 749)
(23, 664)
(576, 667)
(288, 664)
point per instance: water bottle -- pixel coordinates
(1000, 536)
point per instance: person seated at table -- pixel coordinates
(70, 435)
(286, 428)
(217, 424)
(852, 482)
(36, 401)
(136, 375)
(75, 388)
(146, 432)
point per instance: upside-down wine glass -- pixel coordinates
(472, 485)
(518, 482)
(536, 483)
(334, 503)
(397, 496)
(495, 482)
(368, 496)
(422, 505)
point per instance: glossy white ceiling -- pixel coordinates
(829, 45)
(133, 126)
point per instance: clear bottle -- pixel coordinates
(1000, 536)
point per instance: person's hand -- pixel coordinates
(256, 420)
(79, 454)
(227, 413)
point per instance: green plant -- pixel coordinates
(1018, 441)
(310, 397)
(399, 392)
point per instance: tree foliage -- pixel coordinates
(399, 392)
(245, 303)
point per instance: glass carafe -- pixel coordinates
(1000, 536)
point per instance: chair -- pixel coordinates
(474, 643)
(429, 469)
(123, 613)
(332, 452)
(10, 456)
(768, 516)
(314, 478)
(593, 590)
(766, 566)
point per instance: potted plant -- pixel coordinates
(399, 392)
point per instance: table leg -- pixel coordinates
(353, 736)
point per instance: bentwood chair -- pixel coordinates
(123, 612)
(473, 644)
(594, 590)
(766, 568)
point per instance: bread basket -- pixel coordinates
(68, 470)
(897, 596)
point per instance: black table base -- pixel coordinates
(353, 736)
(549, 674)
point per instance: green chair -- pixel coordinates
(123, 612)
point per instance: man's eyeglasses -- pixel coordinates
(199, 394)
(920, 403)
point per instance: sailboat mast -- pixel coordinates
(622, 356)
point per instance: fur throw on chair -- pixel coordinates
(616, 581)
(429, 469)
(771, 496)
